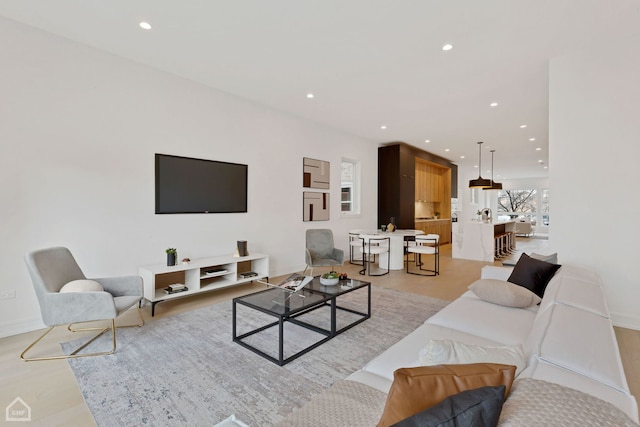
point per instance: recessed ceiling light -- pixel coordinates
(383, 127)
(545, 167)
(540, 161)
(310, 95)
(532, 139)
(447, 47)
(462, 157)
(493, 104)
(523, 126)
(447, 150)
(145, 25)
(538, 149)
(427, 141)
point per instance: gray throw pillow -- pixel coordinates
(477, 407)
(504, 293)
(552, 258)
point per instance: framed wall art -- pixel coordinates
(315, 206)
(315, 173)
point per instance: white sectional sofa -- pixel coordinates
(568, 339)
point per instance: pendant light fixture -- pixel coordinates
(494, 185)
(480, 182)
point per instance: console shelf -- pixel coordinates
(201, 275)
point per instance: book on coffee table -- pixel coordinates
(293, 283)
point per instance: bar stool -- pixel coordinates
(372, 245)
(500, 245)
(512, 241)
(428, 244)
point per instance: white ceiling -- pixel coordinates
(368, 62)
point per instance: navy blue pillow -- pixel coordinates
(533, 274)
(479, 407)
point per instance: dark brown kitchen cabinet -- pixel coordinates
(396, 185)
(398, 192)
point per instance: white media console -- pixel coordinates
(201, 275)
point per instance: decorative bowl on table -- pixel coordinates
(329, 279)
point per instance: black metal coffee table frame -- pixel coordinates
(322, 295)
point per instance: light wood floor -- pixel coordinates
(50, 389)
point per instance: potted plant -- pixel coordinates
(172, 255)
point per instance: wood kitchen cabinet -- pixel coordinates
(407, 175)
(432, 182)
(441, 227)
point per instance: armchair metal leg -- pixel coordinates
(139, 325)
(74, 353)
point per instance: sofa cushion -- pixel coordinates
(580, 341)
(541, 403)
(404, 353)
(478, 407)
(446, 352)
(416, 389)
(504, 325)
(504, 293)
(533, 274)
(578, 293)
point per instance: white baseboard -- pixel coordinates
(8, 329)
(625, 320)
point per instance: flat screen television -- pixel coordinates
(187, 185)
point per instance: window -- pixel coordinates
(350, 187)
(530, 204)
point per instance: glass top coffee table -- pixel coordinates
(287, 306)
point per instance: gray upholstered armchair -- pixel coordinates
(67, 297)
(320, 251)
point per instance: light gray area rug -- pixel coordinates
(185, 369)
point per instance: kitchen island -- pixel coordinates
(476, 240)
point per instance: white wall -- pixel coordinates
(79, 129)
(594, 149)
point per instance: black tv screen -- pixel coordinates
(186, 185)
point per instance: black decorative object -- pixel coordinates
(242, 248)
(172, 255)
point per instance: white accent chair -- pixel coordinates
(354, 245)
(427, 244)
(372, 245)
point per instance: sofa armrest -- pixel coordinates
(495, 272)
